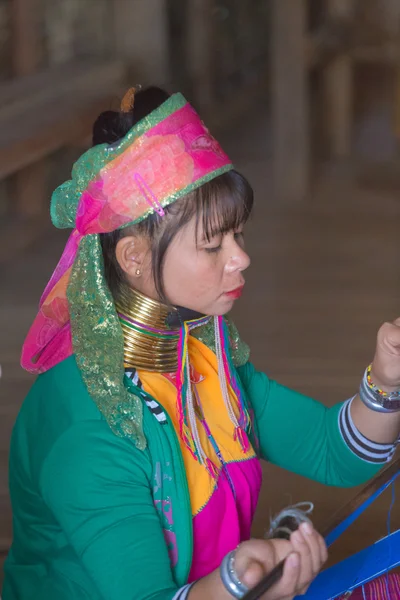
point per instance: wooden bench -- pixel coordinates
(40, 114)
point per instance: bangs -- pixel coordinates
(221, 205)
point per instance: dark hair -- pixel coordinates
(220, 205)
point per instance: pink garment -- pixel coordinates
(225, 521)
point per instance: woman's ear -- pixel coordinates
(131, 255)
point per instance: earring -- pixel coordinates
(138, 272)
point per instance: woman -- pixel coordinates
(134, 469)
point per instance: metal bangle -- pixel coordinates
(376, 401)
(229, 577)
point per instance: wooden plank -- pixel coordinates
(53, 133)
(338, 91)
(61, 117)
(49, 85)
(290, 104)
(24, 36)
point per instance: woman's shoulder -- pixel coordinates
(62, 387)
(57, 401)
(61, 434)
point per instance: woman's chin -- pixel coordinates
(219, 308)
(224, 306)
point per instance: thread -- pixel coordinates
(289, 519)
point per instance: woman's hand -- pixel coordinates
(305, 554)
(385, 372)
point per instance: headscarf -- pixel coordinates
(163, 157)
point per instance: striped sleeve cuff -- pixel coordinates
(183, 592)
(364, 448)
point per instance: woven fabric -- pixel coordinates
(382, 588)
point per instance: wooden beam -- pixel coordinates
(52, 133)
(62, 115)
(50, 86)
(29, 185)
(290, 103)
(338, 91)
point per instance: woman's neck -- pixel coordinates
(151, 331)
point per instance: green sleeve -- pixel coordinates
(300, 434)
(98, 488)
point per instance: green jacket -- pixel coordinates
(91, 510)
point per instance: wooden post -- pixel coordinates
(290, 104)
(392, 23)
(177, 23)
(199, 45)
(29, 185)
(141, 39)
(24, 27)
(338, 91)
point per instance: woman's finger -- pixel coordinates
(319, 553)
(322, 549)
(287, 587)
(302, 547)
(311, 538)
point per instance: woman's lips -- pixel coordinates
(235, 294)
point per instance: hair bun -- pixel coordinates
(109, 127)
(112, 126)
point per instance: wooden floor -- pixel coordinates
(324, 276)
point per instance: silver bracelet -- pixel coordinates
(229, 577)
(375, 400)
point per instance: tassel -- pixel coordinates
(241, 436)
(181, 385)
(226, 377)
(212, 468)
(230, 374)
(188, 428)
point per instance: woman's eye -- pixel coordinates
(239, 236)
(213, 249)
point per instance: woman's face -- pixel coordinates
(205, 276)
(199, 274)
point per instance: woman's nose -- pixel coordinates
(238, 261)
